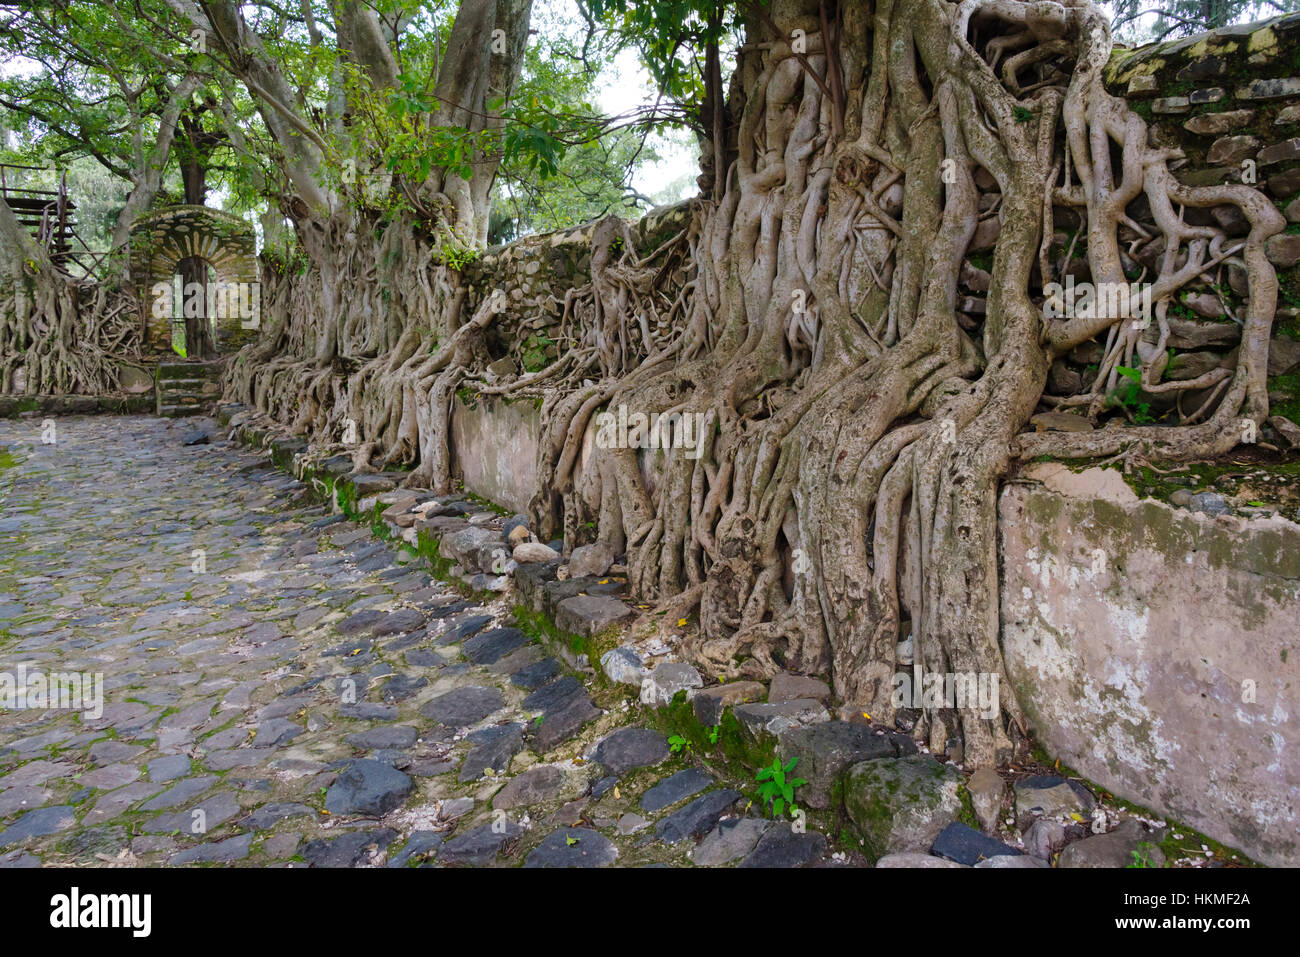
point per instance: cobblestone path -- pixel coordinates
(279, 689)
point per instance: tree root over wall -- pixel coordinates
(59, 334)
(856, 424)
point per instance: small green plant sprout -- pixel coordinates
(534, 358)
(776, 788)
(1128, 397)
(457, 257)
(1142, 856)
(678, 744)
(713, 733)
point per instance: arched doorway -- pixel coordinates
(196, 273)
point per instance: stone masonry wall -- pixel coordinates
(534, 274)
(1230, 100)
(1135, 673)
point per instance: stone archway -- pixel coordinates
(161, 240)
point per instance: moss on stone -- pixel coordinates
(540, 627)
(967, 813)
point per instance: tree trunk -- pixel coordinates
(194, 270)
(856, 422)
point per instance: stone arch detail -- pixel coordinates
(160, 240)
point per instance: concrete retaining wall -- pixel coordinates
(494, 449)
(1156, 651)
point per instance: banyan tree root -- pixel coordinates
(841, 494)
(340, 341)
(60, 335)
(857, 431)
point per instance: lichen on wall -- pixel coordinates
(1153, 650)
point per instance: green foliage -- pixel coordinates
(776, 787)
(1289, 386)
(670, 36)
(1142, 856)
(457, 257)
(532, 141)
(90, 85)
(678, 744)
(287, 261)
(562, 162)
(1127, 397)
(92, 79)
(534, 358)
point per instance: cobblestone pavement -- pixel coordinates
(278, 688)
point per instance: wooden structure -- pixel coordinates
(50, 215)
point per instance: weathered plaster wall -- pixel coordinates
(1157, 651)
(494, 448)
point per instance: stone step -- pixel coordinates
(184, 398)
(169, 370)
(173, 385)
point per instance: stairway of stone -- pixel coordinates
(186, 388)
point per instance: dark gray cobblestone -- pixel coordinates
(279, 688)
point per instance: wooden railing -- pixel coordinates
(49, 214)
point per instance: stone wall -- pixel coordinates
(1151, 647)
(1230, 101)
(1154, 650)
(494, 446)
(536, 272)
